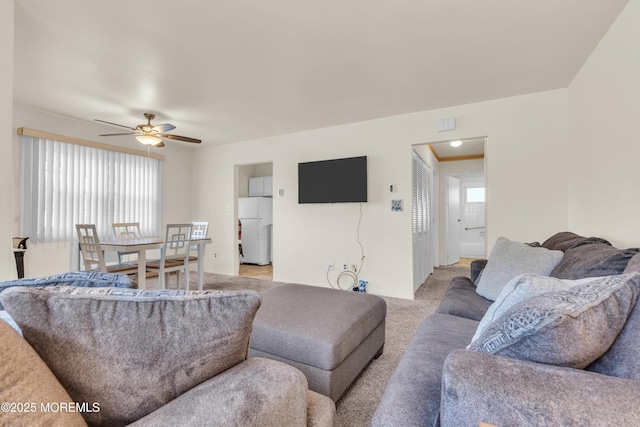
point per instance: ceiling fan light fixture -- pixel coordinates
(149, 139)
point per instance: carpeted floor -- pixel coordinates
(357, 405)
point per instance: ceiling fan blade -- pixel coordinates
(180, 138)
(114, 134)
(161, 144)
(115, 124)
(166, 127)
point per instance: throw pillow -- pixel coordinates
(622, 359)
(519, 289)
(28, 388)
(133, 350)
(566, 240)
(567, 328)
(561, 241)
(633, 265)
(509, 259)
(86, 279)
(593, 260)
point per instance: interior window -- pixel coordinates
(475, 195)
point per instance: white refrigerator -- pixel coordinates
(256, 217)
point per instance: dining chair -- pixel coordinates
(93, 255)
(174, 256)
(199, 232)
(126, 231)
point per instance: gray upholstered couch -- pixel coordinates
(439, 382)
(118, 356)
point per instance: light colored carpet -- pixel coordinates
(357, 405)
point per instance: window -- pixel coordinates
(475, 195)
(65, 184)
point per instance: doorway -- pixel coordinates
(466, 207)
(458, 178)
(254, 207)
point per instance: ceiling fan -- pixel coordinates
(149, 134)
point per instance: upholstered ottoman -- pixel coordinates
(330, 335)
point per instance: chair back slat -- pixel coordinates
(126, 230)
(92, 253)
(177, 241)
(199, 230)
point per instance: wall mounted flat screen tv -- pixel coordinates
(333, 181)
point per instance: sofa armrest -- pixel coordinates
(510, 392)
(477, 265)
(256, 392)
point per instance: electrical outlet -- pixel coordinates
(344, 267)
(215, 254)
(330, 265)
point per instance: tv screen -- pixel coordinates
(333, 181)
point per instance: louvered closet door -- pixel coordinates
(421, 215)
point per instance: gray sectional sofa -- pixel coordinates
(440, 382)
(115, 356)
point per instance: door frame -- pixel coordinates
(439, 193)
(242, 172)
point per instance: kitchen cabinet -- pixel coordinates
(261, 186)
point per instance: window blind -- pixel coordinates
(66, 184)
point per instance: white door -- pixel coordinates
(472, 213)
(435, 218)
(453, 220)
(421, 215)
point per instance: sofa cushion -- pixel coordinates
(593, 260)
(633, 265)
(85, 279)
(255, 393)
(566, 240)
(519, 289)
(461, 299)
(475, 270)
(133, 350)
(622, 359)
(412, 396)
(568, 328)
(26, 383)
(509, 259)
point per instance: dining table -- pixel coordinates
(143, 244)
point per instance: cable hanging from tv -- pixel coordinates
(348, 280)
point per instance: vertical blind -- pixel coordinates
(67, 184)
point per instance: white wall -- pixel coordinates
(524, 133)
(604, 101)
(7, 263)
(52, 258)
(571, 152)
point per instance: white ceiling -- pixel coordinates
(469, 147)
(226, 71)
